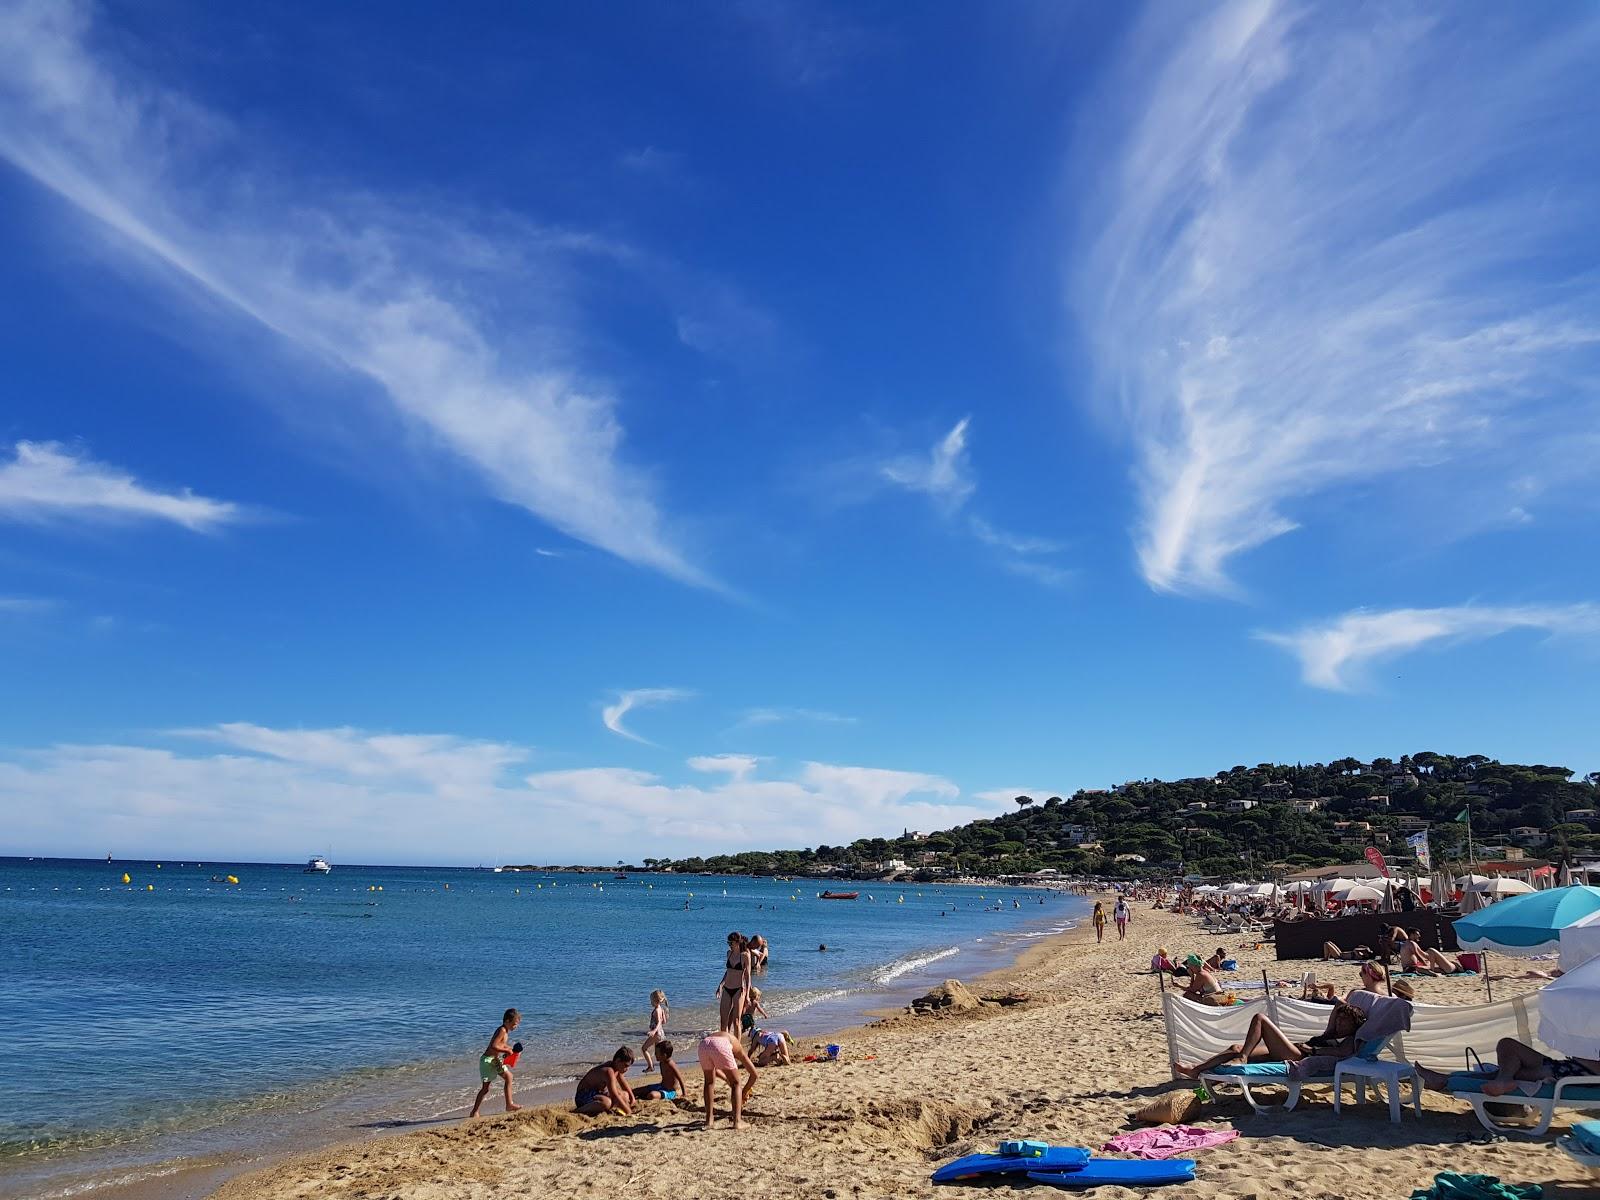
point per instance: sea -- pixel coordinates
(177, 1017)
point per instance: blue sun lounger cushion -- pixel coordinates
(1587, 1135)
(1054, 1158)
(1121, 1172)
(1253, 1070)
(1471, 1081)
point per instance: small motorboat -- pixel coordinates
(317, 866)
(838, 895)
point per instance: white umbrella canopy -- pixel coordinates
(1503, 887)
(1207, 888)
(1263, 889)
(1361, 893)
(1580, 942)
(1298, 886)
(1569, 1012)
(1470, 881)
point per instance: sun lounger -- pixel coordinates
(1247, 1076)
(1581, 1092)
(1583, 1144)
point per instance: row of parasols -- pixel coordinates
(1473, 891)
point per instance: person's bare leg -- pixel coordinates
(738, 1098)
(710, 1093)
(478, 1103)
(510, 1107)
(1516, 1062)
(1438, 1081)
(1216, 1060)
(1275, 1041)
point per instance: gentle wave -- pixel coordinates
(893, 971)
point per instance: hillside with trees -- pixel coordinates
(1244, 821)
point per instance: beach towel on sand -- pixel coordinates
(1168, 1141)
(1448, 1185)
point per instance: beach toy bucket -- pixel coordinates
(833, 1049)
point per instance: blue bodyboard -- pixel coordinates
(1056, 1158)
(1121, 1172)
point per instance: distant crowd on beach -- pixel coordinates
(739, 1045)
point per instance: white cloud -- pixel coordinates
(944, 473)
(1328, 245)
(381, 290)
(774, 716)
(1333, 654)
(20, 605)
(611, 715)
(946, 476)
(48, 481)
(736, 765)
(366, 797)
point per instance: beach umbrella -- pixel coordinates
(1504, 887)
(1569, 1012)
(1564, 879)
(1298, 886)
(1206, 887)
(1361, 893)
(1264, 889)
(1580, 942)
(1527, 924)
(1471, 901)
(1468, 882)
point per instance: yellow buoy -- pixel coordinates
(370, 888)
(380, 887)
(158, 866)
(126, 878)
(233, 879)
(149, 887)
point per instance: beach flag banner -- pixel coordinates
(1419, 846)
(1375, 857)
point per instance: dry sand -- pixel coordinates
(911, 1092)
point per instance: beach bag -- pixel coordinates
(1471, 962)
(1174, 1108)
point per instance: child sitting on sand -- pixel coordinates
(671, 1086)
(492, 1066)
(658, 1026)
(721, 1056)
(601, 1089)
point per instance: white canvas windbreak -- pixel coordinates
(1439, 1037)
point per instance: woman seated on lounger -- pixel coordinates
(1264, 1042)
(1515, 1063)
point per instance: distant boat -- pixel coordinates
(620, 875)
(497, 870)
(838, 895)
(317, 866)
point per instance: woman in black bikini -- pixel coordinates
(735, 983)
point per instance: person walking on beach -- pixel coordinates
(1120, 912)
(1099, 921)
(721, 1056)
(492, 1064)
(735, 982)
(657, 1031)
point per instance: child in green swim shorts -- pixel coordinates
(492, 1065)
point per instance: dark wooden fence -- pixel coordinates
(1303, 939)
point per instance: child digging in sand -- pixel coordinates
(721, 1056)
(492, 1065)
(671, 1086)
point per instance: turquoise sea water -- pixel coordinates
(203, 1017)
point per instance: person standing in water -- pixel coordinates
(492, 1066)
(1099, 919)
(735, 983)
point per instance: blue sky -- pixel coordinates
(587, 432)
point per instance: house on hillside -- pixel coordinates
(1528, 835)
(1378, 800)
(1079, 834)
(1584, 816)
(1239, 804)
(1410, 823)
(1278, 787)
(1197, 806)
(1306, 806)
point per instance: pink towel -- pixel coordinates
(1167, 1141)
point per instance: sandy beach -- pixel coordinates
(910, 1092)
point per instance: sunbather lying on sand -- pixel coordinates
(1265, 1042)
(1516, 1062)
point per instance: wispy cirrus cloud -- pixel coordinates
(1334, 654)
(611, 715)
(379, 289)
(261, 792)
(1328, 245)
(46, 481)
(946, 476)
(753, 717)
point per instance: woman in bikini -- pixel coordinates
(735, 983)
